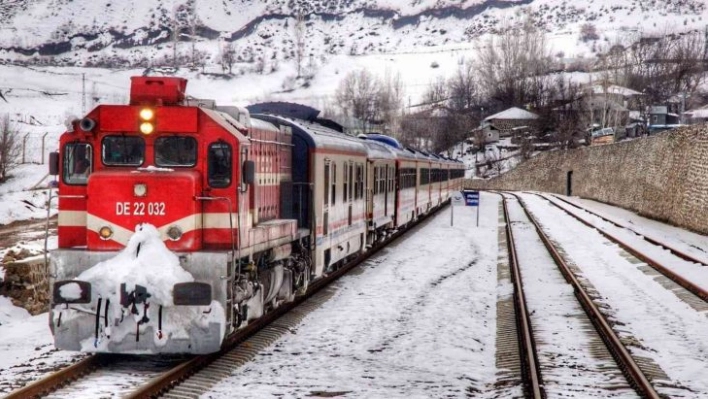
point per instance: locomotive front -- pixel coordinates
(148, 223)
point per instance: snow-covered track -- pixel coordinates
(57, 379)
(641, 254)
(115, 373)
(531, 370)
(546, 299)
(675, 251)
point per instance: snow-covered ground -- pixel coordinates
(419, 319)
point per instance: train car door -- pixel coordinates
(387, 187)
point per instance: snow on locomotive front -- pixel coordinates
(156, 226)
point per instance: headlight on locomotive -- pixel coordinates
(147, 121)
(174, 233)
(105, 232)
(140, 189)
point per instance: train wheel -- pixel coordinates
(305, 283)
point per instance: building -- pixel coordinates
(507, 123)
(661, 119)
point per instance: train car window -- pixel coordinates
(219, 165)
(176, 151)
(358, 189)
(345, 191)
(351, 181)
(326, 184)
(382, 179)
(390, 179)
(123, 150)
(334, 183)
(77, 163)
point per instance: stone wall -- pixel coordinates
(27, 284)
(664, 177)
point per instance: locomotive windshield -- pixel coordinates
(77, 163)
(175, 151)
(123, 150)
(219, 158)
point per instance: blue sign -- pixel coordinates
(471, 198)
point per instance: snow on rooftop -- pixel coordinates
(614, 89)
(698, 113)
(512, 113)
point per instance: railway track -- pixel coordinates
(194, 376)
(540, 314)
(675, 251)
(662, 267)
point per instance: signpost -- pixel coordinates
(458, 199)
(472, 199)
(464, 198)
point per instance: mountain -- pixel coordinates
(61, 57)
(136, 32)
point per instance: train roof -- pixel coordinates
(378, 150)
(316, 135)
(226, 121)
(388, 140)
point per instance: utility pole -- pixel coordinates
(705, 44)
(83, 94)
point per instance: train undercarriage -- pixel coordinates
(190, 305)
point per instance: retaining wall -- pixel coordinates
(664, 177)
(27, 284)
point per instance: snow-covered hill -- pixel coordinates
(47, 45)
(89, 32)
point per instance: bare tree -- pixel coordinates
(563, 120)
(513, 66)
(436, 93)
(175, 34)
(193, 22)
(588, 32)
(9, 147)
(228, 57)
(300, 33)
(452, 107)
(665, 66)
(391, 99)
(358, 95)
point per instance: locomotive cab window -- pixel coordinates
(219, 161)
(77, 163)
(123, 150)
(177, 151)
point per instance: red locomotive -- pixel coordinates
(249, 206)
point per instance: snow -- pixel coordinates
(70, 292)
(562, 331)
(512, 113)
(447, 336)
(144, 262)
(667, 329)
(613, 89)
(416, 322)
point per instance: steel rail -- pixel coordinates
(683, 282)
(58, 379)
(624, 359)
(671, 249)
(533, 380)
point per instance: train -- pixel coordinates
(181, 221)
